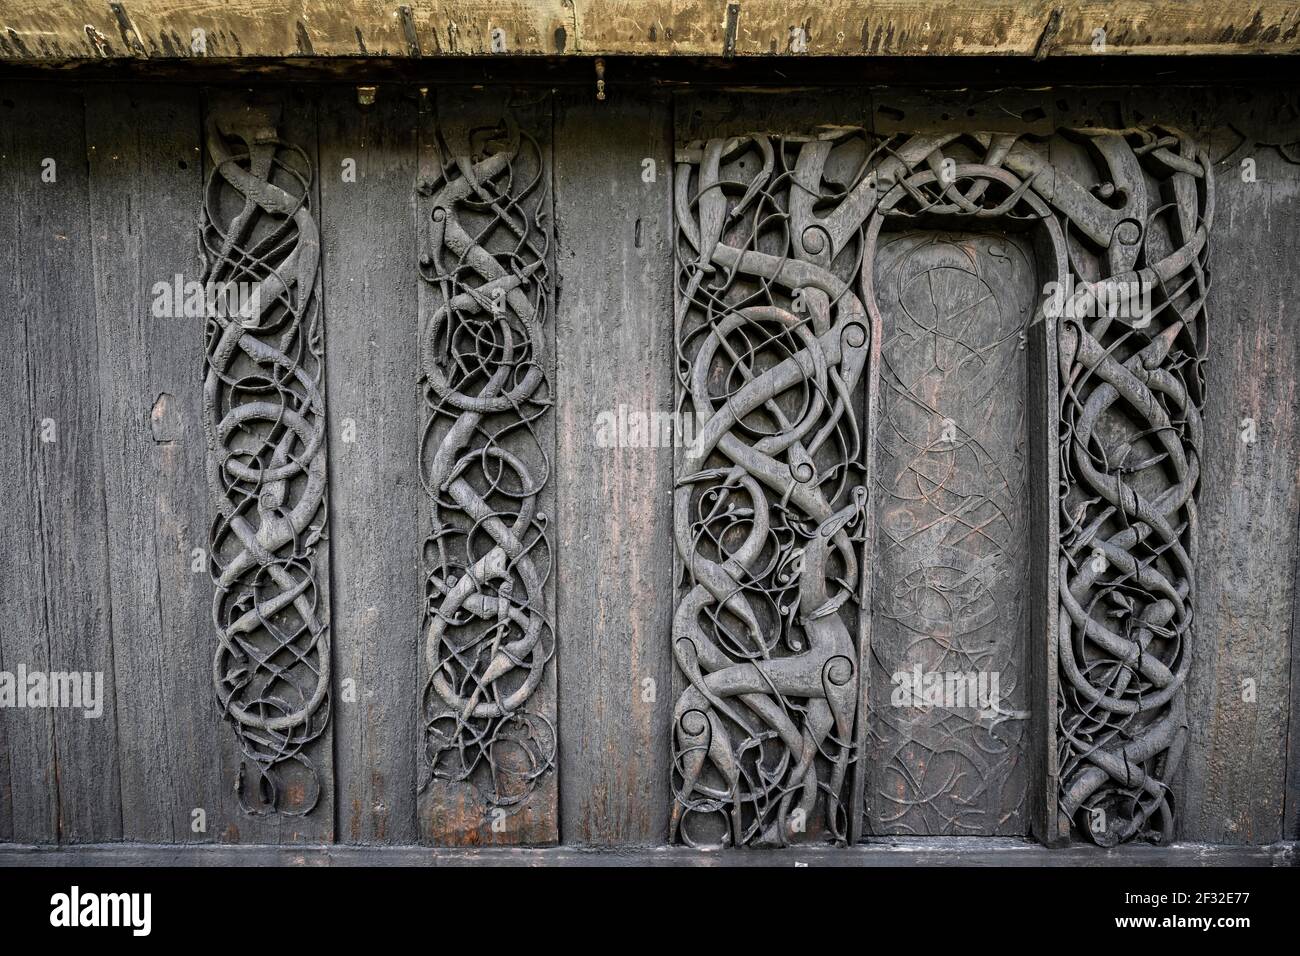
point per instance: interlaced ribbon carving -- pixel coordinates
(265, 429)
(776, 310)
(484, 464)
(1131, 434)
(772, 341)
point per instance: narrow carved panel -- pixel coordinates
(1132, 387)
(949, 692)
(772, 343)
(488, 716)
(265, 428)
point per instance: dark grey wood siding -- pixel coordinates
(99, 526)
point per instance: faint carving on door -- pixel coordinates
(948, 695)
(265, 428)
(488, 636)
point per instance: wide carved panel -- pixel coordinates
(946, 390)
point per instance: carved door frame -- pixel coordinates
(1147, 222)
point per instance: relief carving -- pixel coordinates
(488, 635)
(779, 239)
(265, 430)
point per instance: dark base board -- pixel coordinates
(937, 851)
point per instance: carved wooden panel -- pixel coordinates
(265, 429)
(788, 253)
(772, 342)
(488, 709)
(1132, 388)
(949, 691)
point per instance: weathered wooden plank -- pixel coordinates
(614, 350)
(936, 851)
(487, 777)
(164, 29)
(28, 787)
(367, 180)
(1240, 685)
(55, 304)
(143, 146)
(297, 129)
(1291, 802)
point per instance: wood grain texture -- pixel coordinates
(144, 147)
(614, 516)
(161, 29)
(952, 552)
(371, 362)
(298, 126)
(28, 783)
(56, 305)
(456, 813)
(1250, 496)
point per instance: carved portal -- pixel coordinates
(485, 374)
(265, 428)
(780, 249)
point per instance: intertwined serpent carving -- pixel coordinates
(265, 429)
(772, 340)
(1131, 433)
(776, 309)
(484, 464)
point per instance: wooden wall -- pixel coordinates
(97, 535)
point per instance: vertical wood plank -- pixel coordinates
(145, 167)
(370, 309)
(28, 785)
(55, 303)
(1250, 496)
(298, 127)
(452, 812)
(614, 346)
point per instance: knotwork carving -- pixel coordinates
(265, 429)
(488, 638)
(772, 341)
(776, 315)
(1131, 396)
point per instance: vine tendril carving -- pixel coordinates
(265, 430)
(484, 464)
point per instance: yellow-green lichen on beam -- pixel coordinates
(97, 29)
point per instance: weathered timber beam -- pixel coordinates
(247, 29)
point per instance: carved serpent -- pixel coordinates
(487, 636)
(265, 429)
(768, 224)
